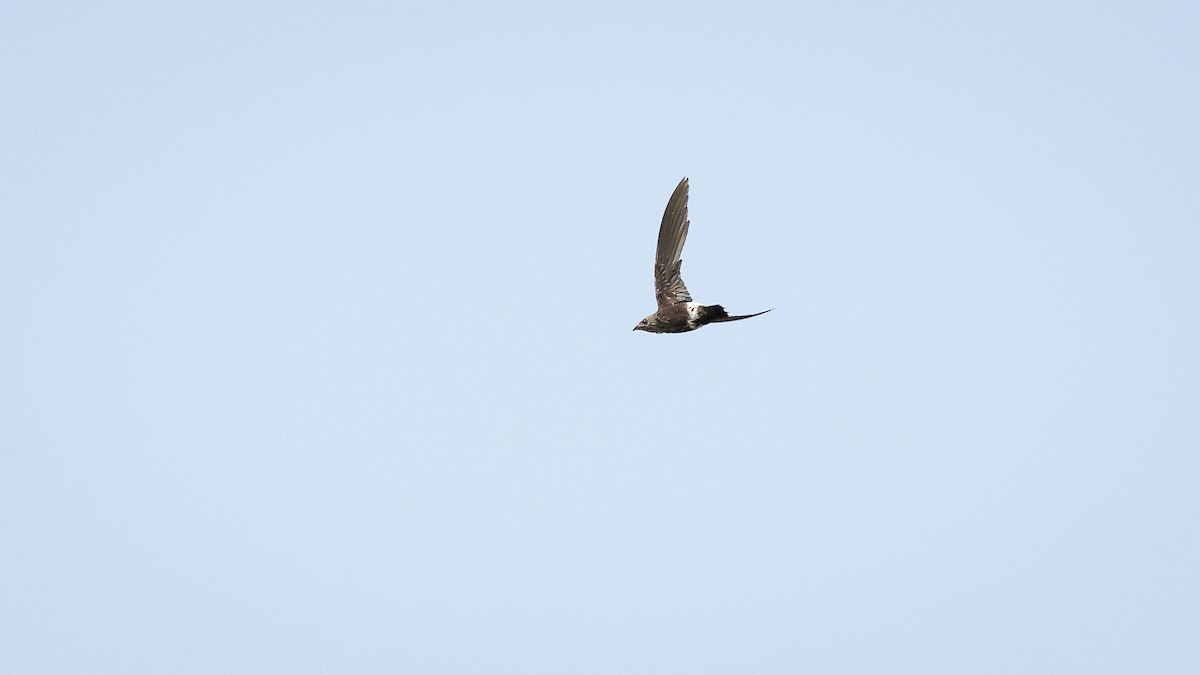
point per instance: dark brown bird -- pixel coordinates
(676, 311)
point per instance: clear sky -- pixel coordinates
(316, 348)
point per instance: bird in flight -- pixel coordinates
(677, 313)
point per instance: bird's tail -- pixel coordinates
(715, 313)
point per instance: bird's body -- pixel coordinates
(682, 317)
(677, 312)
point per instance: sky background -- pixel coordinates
(316, 348)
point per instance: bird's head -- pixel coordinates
(646, 324)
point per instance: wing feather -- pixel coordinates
(668, 285)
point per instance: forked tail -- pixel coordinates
(716, 313)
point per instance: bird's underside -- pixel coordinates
(677, 312)
(685, 316)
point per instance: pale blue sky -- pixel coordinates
(316, 349)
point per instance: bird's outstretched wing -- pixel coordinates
(668, 286)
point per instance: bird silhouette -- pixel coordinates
(677, 313)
